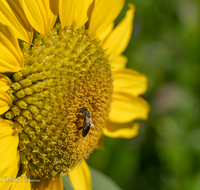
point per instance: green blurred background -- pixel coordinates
(165, 46)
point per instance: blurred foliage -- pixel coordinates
(99, 181)
(165, 46)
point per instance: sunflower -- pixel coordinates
(64, 85)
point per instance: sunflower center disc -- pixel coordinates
(63, 72)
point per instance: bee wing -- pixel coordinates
(89, 120)
(93, 125)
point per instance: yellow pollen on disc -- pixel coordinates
(63, 72)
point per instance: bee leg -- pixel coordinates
(80, 115)
(79, 129)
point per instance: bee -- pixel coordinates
(88, 122)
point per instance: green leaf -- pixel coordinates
(66, 183)
(99, 181)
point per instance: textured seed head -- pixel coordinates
(64, 71)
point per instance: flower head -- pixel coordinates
(64, 85)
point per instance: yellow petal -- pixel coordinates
(48, 184)
(80, 177)
(126, 108)
(11, 57)
(4, 82)
(129, 81)
(73, 10)
(121, 130)
(21, 183)
(119, 63)
(13, 16)
(106, 32)
(5, 101)
(118, 40)
(8, 173)
(41, 14)
(9, 155)
(103, 14)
